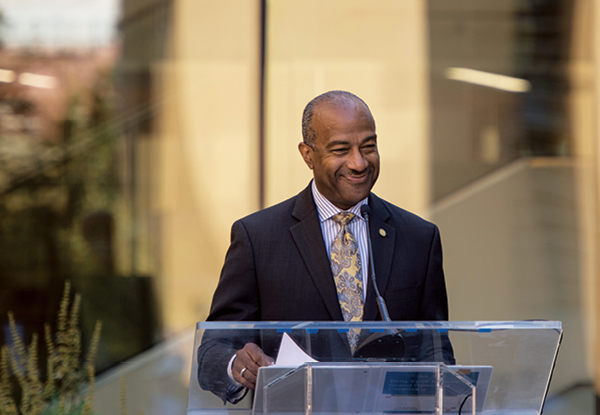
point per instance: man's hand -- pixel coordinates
(246, 364)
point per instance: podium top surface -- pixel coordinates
(333, 325)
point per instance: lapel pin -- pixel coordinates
(382, 232)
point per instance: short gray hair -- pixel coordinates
(342, 98)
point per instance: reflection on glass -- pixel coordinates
(511, 59)
(63, 199)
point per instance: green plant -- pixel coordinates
(69, 385)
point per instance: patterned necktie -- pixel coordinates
(346, 267)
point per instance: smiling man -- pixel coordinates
(307, 258)
(340, 147)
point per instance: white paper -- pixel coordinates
(290, 354)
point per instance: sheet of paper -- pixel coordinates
(290, 354)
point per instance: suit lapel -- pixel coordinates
(383, 238)
(306, 233)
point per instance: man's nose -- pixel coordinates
(356, 160)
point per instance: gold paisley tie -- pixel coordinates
(346, 267)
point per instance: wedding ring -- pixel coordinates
(242, 372)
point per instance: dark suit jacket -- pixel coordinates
(277, 269)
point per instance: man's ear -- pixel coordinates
(306, 152)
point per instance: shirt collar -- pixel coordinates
(327, 209)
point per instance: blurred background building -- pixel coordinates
(134, 132)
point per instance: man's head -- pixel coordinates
(340, 147)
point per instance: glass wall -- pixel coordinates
(66, 189)
(499, 86)
(134, 132)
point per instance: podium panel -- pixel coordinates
(399, 368)
(364, 388)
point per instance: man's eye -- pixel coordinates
(340, 150)
(369, 147)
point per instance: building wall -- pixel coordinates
(205, 148)
(378, 53)
(205, 157)
(512, 252)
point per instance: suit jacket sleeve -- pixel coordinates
(434, 302)
(237, 296)
(236, 299)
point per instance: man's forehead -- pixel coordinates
(341, 104)
(338, 115)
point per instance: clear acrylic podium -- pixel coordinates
(399, 368)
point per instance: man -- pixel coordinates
(279, 264)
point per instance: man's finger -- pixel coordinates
(246, 364)
(242, 368)
(258, 356)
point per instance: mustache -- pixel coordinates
(356, 173)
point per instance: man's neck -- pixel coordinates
(327, 209)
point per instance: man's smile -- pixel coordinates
(357, 178)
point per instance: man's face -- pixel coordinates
(344, 160)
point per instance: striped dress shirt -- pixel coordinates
(330, 229)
